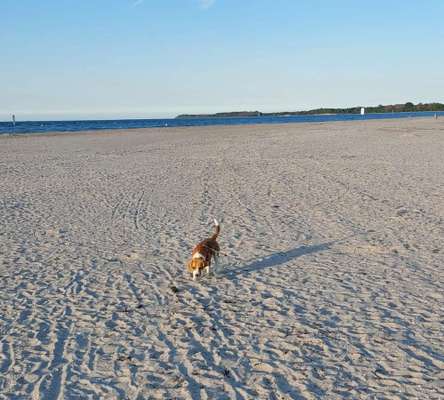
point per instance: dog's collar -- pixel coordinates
(198, 255)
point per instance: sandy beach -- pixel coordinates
(331, 284)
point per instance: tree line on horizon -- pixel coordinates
(392, 108)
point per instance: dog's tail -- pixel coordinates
(216, 234)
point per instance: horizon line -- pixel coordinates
(102, 116)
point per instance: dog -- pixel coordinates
(203, 253)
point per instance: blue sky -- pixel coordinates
(154, 58)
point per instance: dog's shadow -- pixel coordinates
(278, 258)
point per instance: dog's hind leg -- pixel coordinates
(216, 261)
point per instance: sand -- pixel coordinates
(331, 284)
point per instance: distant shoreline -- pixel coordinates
(381, 109)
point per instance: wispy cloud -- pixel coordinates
(206, 3)
(137, 3)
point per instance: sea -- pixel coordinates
(29, 127)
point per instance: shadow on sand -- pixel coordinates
(279, 258)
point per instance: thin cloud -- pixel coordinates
(205, 4)
(137, 3)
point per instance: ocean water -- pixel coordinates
(22, 127)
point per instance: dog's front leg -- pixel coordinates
(195, 272)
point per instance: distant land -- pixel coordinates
(407, 107)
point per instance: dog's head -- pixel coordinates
(196, 264)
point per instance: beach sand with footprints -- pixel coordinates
(330, 285)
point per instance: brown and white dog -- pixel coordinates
(203, 253)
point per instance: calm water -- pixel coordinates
(77, 126)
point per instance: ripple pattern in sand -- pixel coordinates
(331, 284)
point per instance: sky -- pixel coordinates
(74, 59)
